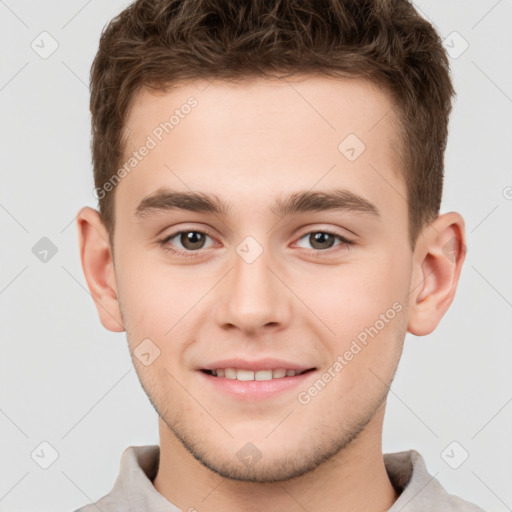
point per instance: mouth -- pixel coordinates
(255, 375)
(266, 379)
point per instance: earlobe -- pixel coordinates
(97, 264)
(438, 258)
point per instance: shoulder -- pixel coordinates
(419, 490)
(133, 490)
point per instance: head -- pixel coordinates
(268, 124)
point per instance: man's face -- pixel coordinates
(271, 291)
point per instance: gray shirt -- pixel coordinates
(133, 490)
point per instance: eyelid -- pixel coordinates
(180, 231)
(326, 229)
(344, 241)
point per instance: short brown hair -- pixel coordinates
(159, 43)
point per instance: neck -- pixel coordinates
(354, 479)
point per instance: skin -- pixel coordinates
(249, 144)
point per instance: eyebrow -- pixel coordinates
(297, 202)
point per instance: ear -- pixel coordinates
(438, 257)
(98, 267)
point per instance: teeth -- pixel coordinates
(230, 373)
(246, 375)
(263, 375)
(277, 374)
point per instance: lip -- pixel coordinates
(267, 363)
(254, 390)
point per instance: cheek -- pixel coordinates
(161, 304)
(150, 300)
(354, 296)
(366, 309)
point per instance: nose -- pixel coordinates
(253, 296)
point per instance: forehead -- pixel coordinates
(333, 105)
(257, 137)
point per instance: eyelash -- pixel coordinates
(194, 254)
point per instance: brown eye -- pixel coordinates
(321, 240)
(192, 240)
(186, 242)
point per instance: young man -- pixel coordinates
(269, 177)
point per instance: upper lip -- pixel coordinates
(260, 364)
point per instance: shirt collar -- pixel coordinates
(418, 490)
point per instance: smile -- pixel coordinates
(260, 375)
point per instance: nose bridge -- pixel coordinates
(253, 296)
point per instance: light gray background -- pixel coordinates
(69, 382)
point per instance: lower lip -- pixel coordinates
(255, 389)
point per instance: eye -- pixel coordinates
(322, 240)
(191, 241)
